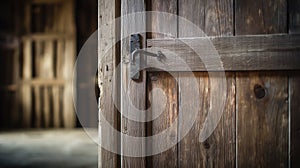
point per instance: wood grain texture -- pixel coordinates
(294, 16)
(294, 93)
(260, 52)
(162, 91)
(165, 82)
(262, 121)
(219, 149)
(260, 17)
(265, 144)
(168, 23)
(136, 90)
(108, 11)
(214, 18)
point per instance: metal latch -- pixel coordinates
(135, 61)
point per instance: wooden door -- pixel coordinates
(259, 46)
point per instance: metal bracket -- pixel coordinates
(135, 61)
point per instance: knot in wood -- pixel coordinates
(259, 91)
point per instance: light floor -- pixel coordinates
(47, 149)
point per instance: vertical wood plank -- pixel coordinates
(294, 93)
(168, 86)
(47, 72)
(26, 89)
(219, 149)
(27, 71)
(59, 70)
(214, 18)
(137, 88)
(69, 117)
(55, 89)
(260, 17)
(166, 82)
(163, 24)
(265, 144)
(262, 119)
(108, 10)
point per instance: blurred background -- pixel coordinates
(39, 41)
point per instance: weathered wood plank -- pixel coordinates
(258, 52)
(136, 90)
(294, 96)
(262, 124)
(108, 59)
(219, 149)
(260, 17)
(159, 24)
(162, 94)
(214, 18)
(262, 119)
(162, 23)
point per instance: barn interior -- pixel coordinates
(39, 43)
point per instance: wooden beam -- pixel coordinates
(44, 82)
(47, 36)
(238, 53)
